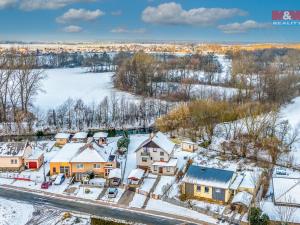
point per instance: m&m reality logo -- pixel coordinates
(286, 17)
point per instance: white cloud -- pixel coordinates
(29, 5)
(125, 30)
(72, 29)
(79, 14)
(172, 13)
(7, 3)
(232, 28)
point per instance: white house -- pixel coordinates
(156, 155)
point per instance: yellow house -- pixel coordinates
(93, 158)
(208, 184)
(80, 159)
(189, 146)
(61, 139)
(12, 155)
(61, 163)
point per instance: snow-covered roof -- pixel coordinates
(80, 135)
(243, 198)
(93, 153)
(209, 176)
(162, 141)
(62, 136)
(136, 174)
(286, 190)
(99, 135)
(36, 154)
(12, 149)
(237, 182)
(172, 162)
(67, 152)
(115, 173)
(250, 180)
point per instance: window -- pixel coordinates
(162, 153)
(154, 149)
(96, 166)
(144, 159)
(161, 159)
(14, 161)
(199, 188)
(54, 169)
(168, 169)
(206, 189)
(79, 166)
(155, 168)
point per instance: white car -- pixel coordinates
(59, 179)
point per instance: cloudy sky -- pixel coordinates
(194, 20)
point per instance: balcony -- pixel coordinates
(145, 153)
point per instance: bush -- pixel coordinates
(256, 217)
(123, 142)
(67, 215)
(87, 191)
(183, 197)
(39, 133)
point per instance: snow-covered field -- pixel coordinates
(291, 112)
(14, 213)
(75, 83)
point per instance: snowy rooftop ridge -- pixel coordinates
(67, 152)
(209, 176)
(162, 141)
(80, 135)
(99, 135)
(93, 153)
(62, 136)
(16, 149)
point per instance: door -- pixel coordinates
(32, 165)
(189, 189)
(160, 169)
(218, 194)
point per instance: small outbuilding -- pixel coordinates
(35, 160)
(61, 139)
(80, 137)
(135, 177)
(101, 137)
(189, 146)
(114, 177)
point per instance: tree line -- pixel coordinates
(19, 83)
(150, 76)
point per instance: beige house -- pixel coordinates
(189, 146)
(13, 154)
(61, 139)
(156, 155)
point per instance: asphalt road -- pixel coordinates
(96, 210)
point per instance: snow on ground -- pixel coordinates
(209, 206)
(279, 213)
(113, 200)
(14, 213)
(161, 206)
(92, 194)
(148, 183)
(183, 157)
(163, 183)
(291, 113)
(135, 141)
(137, 201)
(75, 83)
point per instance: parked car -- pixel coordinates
(46, 184)
(112, 192)
(59, 179)
(115, 182)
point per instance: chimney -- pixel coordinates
(151, 135)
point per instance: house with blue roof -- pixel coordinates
(208, 184)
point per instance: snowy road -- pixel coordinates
(97, 210)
